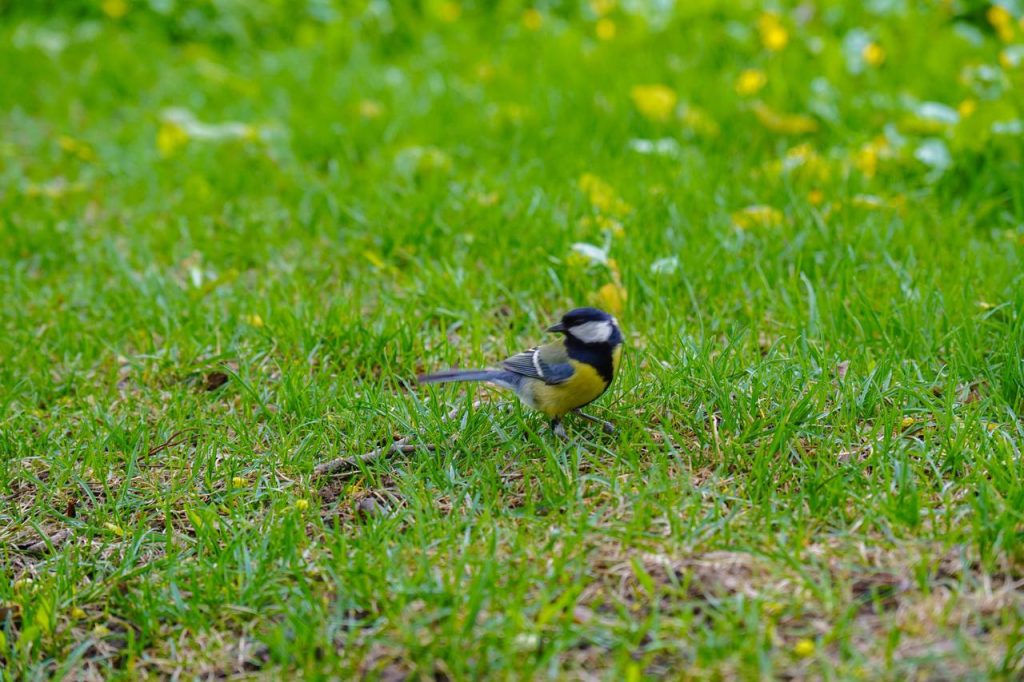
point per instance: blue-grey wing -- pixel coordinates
(548, 363)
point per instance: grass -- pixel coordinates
(817, 467)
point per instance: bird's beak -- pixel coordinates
(556, 328)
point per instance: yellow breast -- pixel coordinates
(584, 386)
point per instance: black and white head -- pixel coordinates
(589, 326)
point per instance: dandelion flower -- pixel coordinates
(804, 648)
(656, 102)
(302, 505)
(255, 320)
(1002, 21)
(610, 297)
(907, 422)
(170, 138)
(449, 12)
(757, 215)
(967, 108)
(774, 35)
(115, 9)
(750, 82)
(605, 29)
(873, 54)
(532, 19)
(238, 482)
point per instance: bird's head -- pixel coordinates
(589, 326)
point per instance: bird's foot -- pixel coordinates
(556, 426)
(607, 427)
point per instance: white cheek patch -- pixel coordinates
(592, 332)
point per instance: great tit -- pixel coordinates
(561, 376)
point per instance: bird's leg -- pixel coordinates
(556, 426)
(608, 427)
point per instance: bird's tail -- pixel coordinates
(494, 376)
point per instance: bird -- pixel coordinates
(558, 377)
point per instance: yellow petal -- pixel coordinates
(757, 215)
(656, 102)
(774, 35)
(532, 19)
(611, 297)
(170, 138)
(873, 54)
(804, 648)
(750, 82)
(115, 9)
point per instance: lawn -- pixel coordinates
(232, 233)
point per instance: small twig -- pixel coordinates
(342, 463)
(169, 443)
(400, 446)
(43, 545)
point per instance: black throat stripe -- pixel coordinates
(598, 355)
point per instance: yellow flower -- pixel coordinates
(255, 320)
(815, 197)
(873, 54)
(750, 82)
(611, 297)
(774, 35)
(115, 9)
(449, 12)
(1002, 22)
(605, 29)
(867, 157)
(115, 529)
(758, 215)
(370, 109)
(656, 102)
(77, 613)
(1011, 57)
(170, 138)
(532, 19)
(238, 482)
(907, 422)
(967, 108)
(302, 505)
(601, 195)
(786, 124)
(804, 648)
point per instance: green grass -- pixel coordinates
(817, 472)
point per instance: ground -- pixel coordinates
(231, 235)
